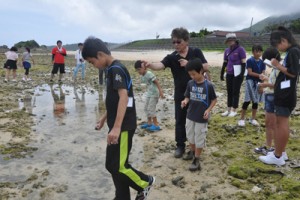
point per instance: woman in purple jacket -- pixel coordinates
(234, 63)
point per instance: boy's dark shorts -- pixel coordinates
(283, 111)
(59, 66)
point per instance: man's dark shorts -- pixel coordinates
(59, 66)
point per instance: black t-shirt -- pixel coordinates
(200, 95)
(118, 77)
(287, 97)
(180, 75)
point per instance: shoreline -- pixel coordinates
(214, 58)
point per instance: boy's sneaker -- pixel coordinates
(153, 128)
(188, 156)
(232, 114)
(5, 80)
(224, 114)
(271, 159)
(195, 165)
(14, 80)
(241, 122)
(142, 195)
(263, 150)
(284, 155)
(253, 122)
(143, 126)
(179, 151)
(24, 79)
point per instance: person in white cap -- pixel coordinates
(234, 64)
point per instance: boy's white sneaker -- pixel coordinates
(241, 122)
(232, 114)
(271, 159)
(253, 122)
(224, 114)
(284, 155)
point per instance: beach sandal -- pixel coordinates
(153, 128)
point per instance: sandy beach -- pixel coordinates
(213, 58)
(49, 149)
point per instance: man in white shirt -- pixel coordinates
(80, 63)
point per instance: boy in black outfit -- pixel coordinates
(121, 121)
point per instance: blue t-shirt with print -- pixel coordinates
(257, 66)
(200, 95)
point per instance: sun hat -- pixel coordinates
(230, 36)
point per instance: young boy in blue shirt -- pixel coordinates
(121, 120)
(201, 97)
(154, 91)
(256, 70)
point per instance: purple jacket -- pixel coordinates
(234, 55)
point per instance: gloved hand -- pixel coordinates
(243, 68)
(223, 71)
(222, 76)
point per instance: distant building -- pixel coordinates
(222, 34)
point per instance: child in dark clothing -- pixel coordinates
(121, 121)
(285, 91)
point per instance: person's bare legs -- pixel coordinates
(7, 74)
(270, 121)
(14, 73)
(60, 77)
(254, 111)
(243, 112)
(281, 135)
(155, 122)
(198, 152)
(192, 147)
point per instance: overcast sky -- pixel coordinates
(72, 21)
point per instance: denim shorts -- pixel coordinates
(269, 103)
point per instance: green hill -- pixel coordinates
(259, 27)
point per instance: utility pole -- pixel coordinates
(250, 27)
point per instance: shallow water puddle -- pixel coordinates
(70, 160)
